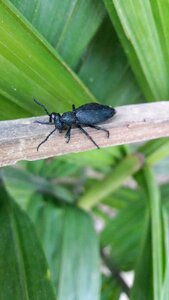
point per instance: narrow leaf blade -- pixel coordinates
(30, 68)
(71, 246)
(67, 25)
(106, 71)
(23, 269)
(138, 31)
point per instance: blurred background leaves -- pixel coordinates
(73, 52)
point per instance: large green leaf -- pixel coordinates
(80, 253)
(101, 190)
(71, 246)
(155, 150)
(122, 197)
(142, 27)
(48, 220)
(67, 25)
(99, 160)
(31, 68)
(123, 234)
(152, 194)
(165, 214)
(165, 289)
(152, 275)
(21, 184)
(58, 167)
(142, 287)
(110, 288)
(23, 270)
(106, 71)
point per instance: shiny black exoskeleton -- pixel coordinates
(85, 115)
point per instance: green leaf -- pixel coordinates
(31, 68)
(106, 71)
(48, 220)
(122, 197)
(164, 189)
(142, 27)
(152, 270)
(165, 289)
(111, 182)
(142, 287)
(99, 160)
(153, 197)
(161, 172)
(71, 246)
(121, 236)
(110, 289)
(23, 270)
(79, 249)
(58, 167)
(21, 184)
(67, 25)
(155, 150)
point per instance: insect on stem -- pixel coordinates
(89, 114)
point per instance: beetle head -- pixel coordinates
(56, 119)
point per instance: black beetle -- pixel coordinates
(85, 115)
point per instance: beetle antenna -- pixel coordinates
(46, 138)
(43, 106)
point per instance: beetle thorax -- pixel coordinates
(68, 118)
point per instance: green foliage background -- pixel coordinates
(78, 51)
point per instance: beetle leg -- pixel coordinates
(68, 134)
(46, 138)
(86, 133)
(73, 107)
(100, 128)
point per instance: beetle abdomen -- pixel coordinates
(94, 113)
